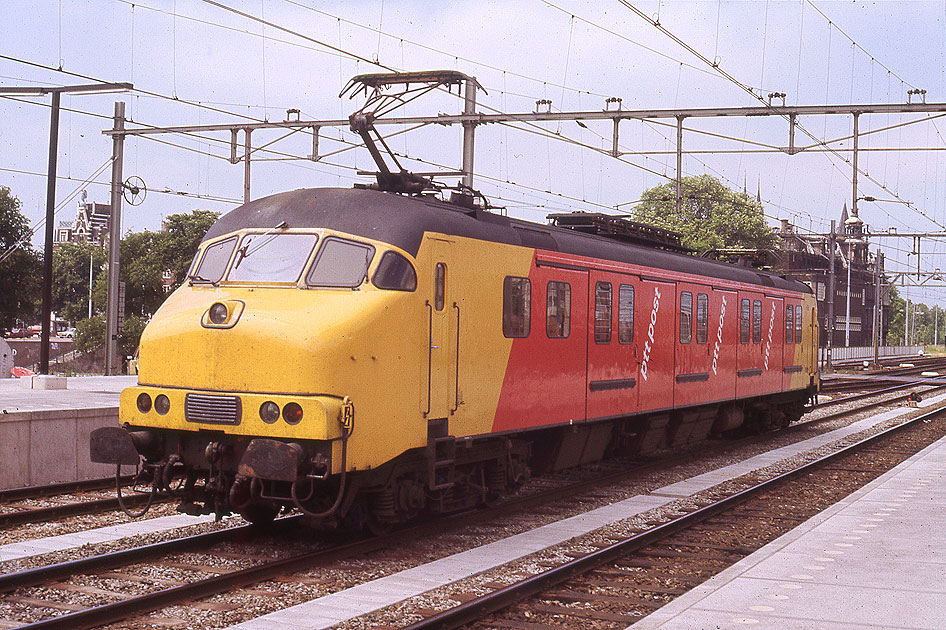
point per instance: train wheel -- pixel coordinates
(260, 514)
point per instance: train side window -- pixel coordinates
(625, 314)
(517, 296)
(744, 322)
(440, 282)
(214, 261)
(558, 309)
(702, 318)
(340, 263)
(686, 317)
(395, 272)
(757, 321)
(798, 324)
(603, 312)
(789, 323)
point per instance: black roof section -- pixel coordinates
(619, 228)
(402, 221)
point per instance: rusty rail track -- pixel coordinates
(477, 609)
(116, 611)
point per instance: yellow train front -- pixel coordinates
(363, 357)
(299, 364)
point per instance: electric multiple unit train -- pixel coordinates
(366, 357)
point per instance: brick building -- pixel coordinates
(806, 258)
(90, 225)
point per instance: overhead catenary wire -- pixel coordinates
(36, 226)
(760, 98)
(343, 149)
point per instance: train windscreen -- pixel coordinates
(271, 257)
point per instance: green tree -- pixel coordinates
(130, 336)
(71, 262)
(897, 310)
(20, 268)
(181, 235)
(923, 320)
(90, 334)
(145, 256)
(711, 216)
(142, 264)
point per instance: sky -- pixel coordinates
(194, 62)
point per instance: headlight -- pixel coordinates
(269, 412)
(144, 402)
(219, 313)
(161, 404)
(292, 413)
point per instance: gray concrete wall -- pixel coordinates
(41, 447)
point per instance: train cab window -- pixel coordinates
(744, 322)
(271, 257)
(395, 272)
(798, 324)
(214, 261)
(558, 309)
(686, 317)
(440, 285)
(702, 318)
(340, 263)
(517, 296)
(626, 314)
(757, 321)
(789, 323)
(603, 312)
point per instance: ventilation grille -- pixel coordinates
(209, 409)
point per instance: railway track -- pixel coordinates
(842, 383)
(629, 578)
(118, 567)
(15, 508)
(880, 392)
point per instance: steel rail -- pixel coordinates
(108, 613)
(69, 568)
(501, 598)
(872, 405)
(67, 487)
(34, 515)
(879, 392)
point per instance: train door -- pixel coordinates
(723, 343)
(693, 361)
(791, 359)
(613, 355)
(654, 336)
(773, 313)
(749, 353)
(443, 312)
(545, 372)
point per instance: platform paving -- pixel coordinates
(335, 608)
(38, 546)
(877, 559)
(81, 392)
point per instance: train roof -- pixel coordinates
(402, 221)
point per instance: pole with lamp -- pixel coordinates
(56, 92)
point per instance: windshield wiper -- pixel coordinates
(244, 252)
(193, 277)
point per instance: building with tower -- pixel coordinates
(90, 225)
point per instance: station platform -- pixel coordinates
(329, 610)
(82, 392)
(875, 560)
(45, 432)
